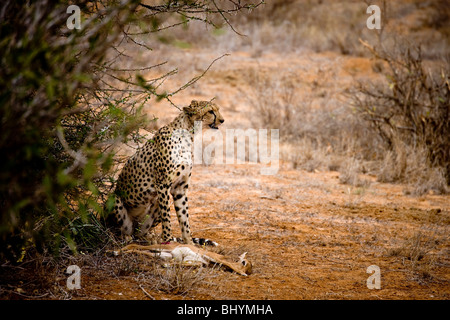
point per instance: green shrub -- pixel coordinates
(52, 141)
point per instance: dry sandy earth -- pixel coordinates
(307, 235)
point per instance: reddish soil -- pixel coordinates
(308, 237)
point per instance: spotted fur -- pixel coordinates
(161, 169)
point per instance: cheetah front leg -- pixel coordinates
(151, 219)
(164, 214)
(180, 199)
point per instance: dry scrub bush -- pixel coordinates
(278, 26)
(317, 132)
(326, 25)
(318, 25)
(409, 111)
(277, 104)
(286, 26)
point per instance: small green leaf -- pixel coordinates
(181, 44)
(219, 31)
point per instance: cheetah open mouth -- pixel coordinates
(213, 126)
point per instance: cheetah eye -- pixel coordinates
(210, 111)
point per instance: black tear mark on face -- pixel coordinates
(213, 124)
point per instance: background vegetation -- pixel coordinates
(394, 126)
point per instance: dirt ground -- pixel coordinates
(307, 235)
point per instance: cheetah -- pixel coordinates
(161, 167)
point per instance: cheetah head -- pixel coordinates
(206, 112)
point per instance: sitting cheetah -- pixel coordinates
(162, 166)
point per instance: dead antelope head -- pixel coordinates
(245, 263)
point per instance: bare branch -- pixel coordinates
(195, 79)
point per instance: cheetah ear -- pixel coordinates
(191, 109)
(188, 110)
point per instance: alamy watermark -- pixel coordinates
(262, 147)
(374, 21)
(374, 281)
(74, 20)
(74, 280)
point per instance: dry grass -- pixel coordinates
(410, 166)
(349, 173)
(174, 278)
(418, 255)
(317, 130)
